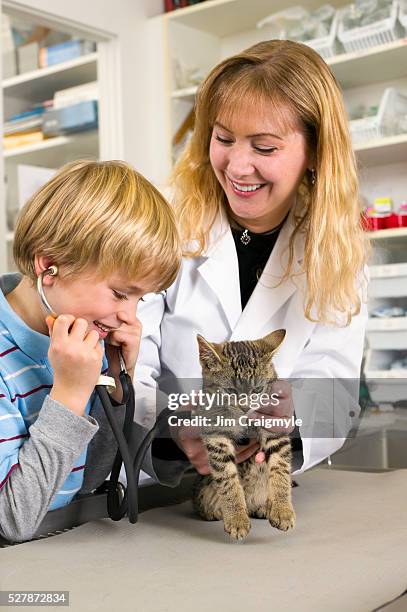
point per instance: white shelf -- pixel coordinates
(390, 150)
(386, 323)
(54, 152)
(381, 63)
(384, 62)
(227, 17)
(188, 92)
(39, 85)
(397, 232)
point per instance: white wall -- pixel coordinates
(141, 63)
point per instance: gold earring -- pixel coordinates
(313, 176)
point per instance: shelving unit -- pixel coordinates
(397, 232)
(202, 35)
(54, 152)
(390, 150)
(22, 91)
(44, 81)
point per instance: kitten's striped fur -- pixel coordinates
(236, 492)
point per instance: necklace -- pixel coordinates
(245, 238)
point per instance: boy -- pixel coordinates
(112, 238)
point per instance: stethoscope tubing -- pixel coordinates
(118, 501)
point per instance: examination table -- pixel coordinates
(348, 553)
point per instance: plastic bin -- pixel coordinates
(385, 385)
(377, 33)
(403, 14)
(283, 24)
(388, 333)
(327, 46)
(389, 280)
(393, 106)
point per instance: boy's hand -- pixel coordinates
(76, 358)
(127, 339)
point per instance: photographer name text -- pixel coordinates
(243, 420)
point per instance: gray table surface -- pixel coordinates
(347, 553)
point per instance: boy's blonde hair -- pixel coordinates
(100, 215)
(294, 82)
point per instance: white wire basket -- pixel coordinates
(403, 14)
(377, 33)
(327, 46)
(393, 105)
(390, 333)
(385, 384)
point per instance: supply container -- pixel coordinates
(327, 46)
(317, 29)
(388, 280)
(387, 333)
(393, 106)
(402, 214)
(379, 32)
(403, 14)
(385, 384)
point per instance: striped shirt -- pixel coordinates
(26, 378)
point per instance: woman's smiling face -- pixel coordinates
(259, 166)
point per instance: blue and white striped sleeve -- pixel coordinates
(35, 463)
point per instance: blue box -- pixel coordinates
(75, 118)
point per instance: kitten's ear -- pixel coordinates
(208, 353)
(274, 340)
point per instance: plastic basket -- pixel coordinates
(392, 105)
(389, 280)
(384, 384)
(388, 333)
(327, 46)
(403, 14)
(378, 362)
(378, 33)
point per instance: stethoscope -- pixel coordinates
(120, 500)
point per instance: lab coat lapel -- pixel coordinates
(268, 296)
(220, 270)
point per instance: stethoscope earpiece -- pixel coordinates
(51, 271)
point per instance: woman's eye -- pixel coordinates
(265, 150)
(120, 296)
(223, 140)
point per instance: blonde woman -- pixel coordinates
(103, 236)
(266, 194)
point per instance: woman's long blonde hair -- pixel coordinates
(297, 83)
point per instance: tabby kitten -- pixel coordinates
(236, 492)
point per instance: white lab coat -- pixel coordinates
(205, 299)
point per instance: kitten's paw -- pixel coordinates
(260, 513)
(237, 526)
(212, 516)
(281, 516)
